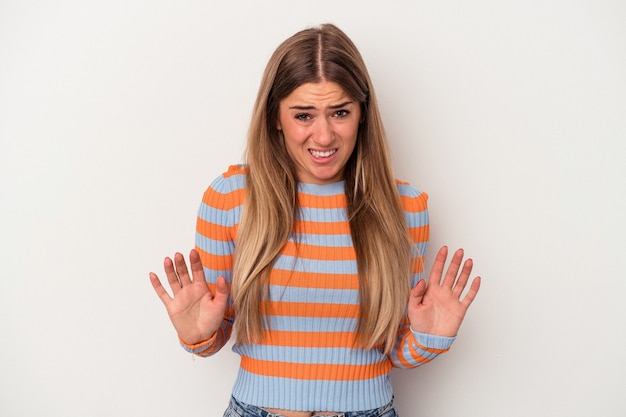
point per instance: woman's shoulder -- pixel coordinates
(228, 190)
(236, 171)
(234, 178)
(412, 198)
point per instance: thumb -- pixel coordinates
(417, 293)
(221, 292)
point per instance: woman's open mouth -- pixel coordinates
(322, 154)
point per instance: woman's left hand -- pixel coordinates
(437, 307)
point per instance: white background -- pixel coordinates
(115, 115)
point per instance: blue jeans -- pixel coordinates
(238, 409)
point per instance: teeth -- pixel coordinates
(318, 154)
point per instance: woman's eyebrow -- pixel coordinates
(338, 106)
(333, 107)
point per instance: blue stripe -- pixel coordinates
(419, 249)
(225, 185)
(310, 324)
(296, 394)
(416, 219)
(406, 190)
(219, 217)
(215, 247)
(237, 181)
(211, 275)
(432, 341)
(415, 278)
(313, 295)
(322, 190)
(325, 215)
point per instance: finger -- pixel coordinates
(471, 294)
(172, 277)
(181, 269)
(437, 271)
(453, 269)
(460, 284)
(156, 284)
(197, 271)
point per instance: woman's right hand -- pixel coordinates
(195, 312)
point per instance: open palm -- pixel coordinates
(195, 312)
(437, 307)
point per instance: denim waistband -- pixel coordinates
(247, 410)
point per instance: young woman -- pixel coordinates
(313, 251)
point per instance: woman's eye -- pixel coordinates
(342, 113)
(303, 116)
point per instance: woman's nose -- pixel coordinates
(323, 134)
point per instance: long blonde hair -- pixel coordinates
(379, 233)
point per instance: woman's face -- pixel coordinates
(320, 123)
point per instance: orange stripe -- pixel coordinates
(431, 350)
(322, 228)
(420, 233)
(416, 356)
(314, 201)
(308, 339)
(327, 253)
(401, 356)
(294, 309)
(308, 280)
(413, 204)
(226, 201)
(235, 170)
(417, 265)
(216, 231)
(216, 262)
(304, 371)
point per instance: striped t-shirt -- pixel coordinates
(308, 361)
